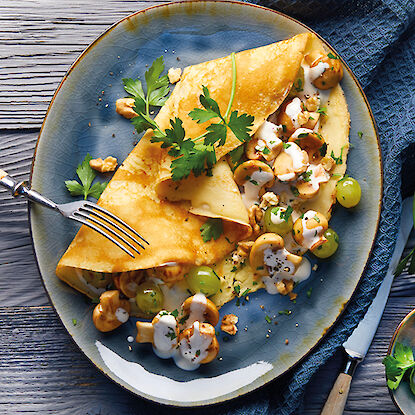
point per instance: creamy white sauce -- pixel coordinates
(318, 175)
(268, 136)
(252, 187)
(164, 337)
(197, 309)
(280, 268)
(299, 161)
(301, 131)
(293, 109)
(193, 350)
(121, 315)
(277, 263)
(287, 177)
(310, 75)
(303, 271)
(310, 236)
(276, 218)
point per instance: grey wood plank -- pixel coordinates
(39, 40)
(19, 278)
(42, 371)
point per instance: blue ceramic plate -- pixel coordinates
(402, 397)
(82, 118)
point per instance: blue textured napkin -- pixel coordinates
(377, 40)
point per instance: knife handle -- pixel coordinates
(338, 396)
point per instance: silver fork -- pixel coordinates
(85, 212)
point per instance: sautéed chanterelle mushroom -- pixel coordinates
(232, 183)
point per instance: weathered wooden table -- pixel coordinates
(41, 370)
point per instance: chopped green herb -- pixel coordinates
(294, 191)
(86, 175)
(286, 215)
(306, 176)
(245, 292)
(299, 86)
(175, 313)
(360, 134)
(237, 289)
(331, 56)
(323, 150)
(259, 268)
(284, 128)
(322, 110)
(266, 150)
(254, 283)
(317, 219)
(197, 353)
(171, 334)
(234, 268)
(74, 321)
(285, 312)
(302, 135)
(268, 319)
(338, 160)
(184, 319)
(211, 229)
(286, 145)
(254, 182)
(309, 291)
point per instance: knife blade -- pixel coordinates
(357, 345)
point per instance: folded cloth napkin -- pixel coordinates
(377, 40)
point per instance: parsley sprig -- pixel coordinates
(86, 175)
(191, 155)
(397, 365)
(211, 229)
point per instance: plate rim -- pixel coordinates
(222, 398)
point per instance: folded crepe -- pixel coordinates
(169, 214)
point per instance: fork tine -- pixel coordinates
(102, 217)
(111, 215)
(107, 228)
(100, 231)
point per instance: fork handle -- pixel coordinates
(20, 189)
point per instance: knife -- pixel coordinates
(357, 345)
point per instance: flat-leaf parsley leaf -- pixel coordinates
(211, 229)
(86, 175)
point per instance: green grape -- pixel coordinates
(348, 192)
(276, 214)
(328, 248)
(204, 280)
(149, 298)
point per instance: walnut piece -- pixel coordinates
(312, 103)
(124, 107)
(174, 75)
(284, 287)
(327, 162)
(303, 117)
(269, 199)
(242, 252)
(255, 214)
(104, 166)
(228, 325)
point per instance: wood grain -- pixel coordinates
(39, 40)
